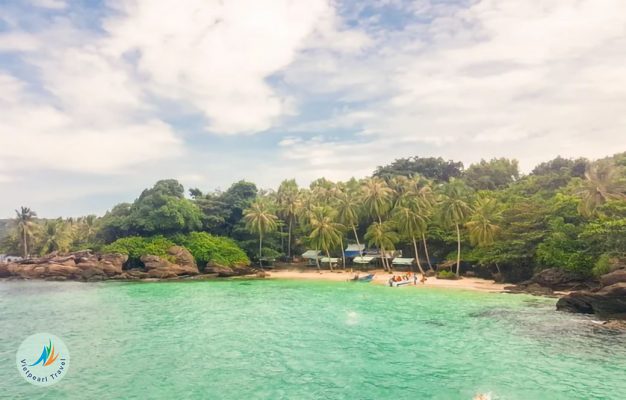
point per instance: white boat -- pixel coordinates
(404, 282)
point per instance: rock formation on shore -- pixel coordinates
(89, 266)
(82, 265)
(607, 301)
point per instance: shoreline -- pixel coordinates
(382, 278)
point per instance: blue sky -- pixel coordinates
(99, 99)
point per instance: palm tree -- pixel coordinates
(377, 197)
(602, 183)
(455, 210)
(421, 189)
(289, 204)
(325, 232)
(410, 224)
(382, 236)
(56, 236)
(348, 207)
(260, 219)
(482, 225)
(25, 223)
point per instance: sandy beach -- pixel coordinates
(382, 278)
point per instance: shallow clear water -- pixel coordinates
(306, 340)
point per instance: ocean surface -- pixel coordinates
(272, 339)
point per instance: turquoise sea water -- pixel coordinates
(306, 340)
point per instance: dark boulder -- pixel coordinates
(608, 301)
(554, 279)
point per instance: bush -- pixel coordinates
(446, 275)
(208, 248)
(137, 246)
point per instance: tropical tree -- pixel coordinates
(377, 198)
(455, 210)
(56, 236)
(260, 219)
(25, 223)
(483, 225)
(289, 203)
(348, 208)
(603, 182)
(325, 232)
(384, 237)
(410, 224)
(424, 200)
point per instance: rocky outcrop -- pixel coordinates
(609, 301)
(226, 272)
(553, 279)
(182, 263)
(82, 265)
(613, 277)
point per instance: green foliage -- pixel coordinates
(207, 248)
(137, 246)
(490, 175)
(602, 266)
(159, 210)
(445, 274)
(430, 167)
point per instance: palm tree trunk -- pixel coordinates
(289, 239)
(25, 243)
(282, 238)
(417, 258)
(426, 251)
(343, 254)
(317, 262)
(458, 249)
(384, 259)
(261, 250)
(330, 262)
(356, 237)
(499, 272)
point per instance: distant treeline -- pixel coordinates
(567, 213)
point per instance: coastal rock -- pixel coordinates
(79, 265)
(4, 270)
(183, 264)
(226, 272)
(553, 279)
(608, 301)
(613, 277)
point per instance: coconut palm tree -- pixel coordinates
(377, 200)
(455, 210)
(410, 224)
(56, 236)
(382, 236)
(348, 208)
(25, 223)
(325, 232)
(421, 189)
(260, 219)
(289, 203)
(483, 224)
(602, 183)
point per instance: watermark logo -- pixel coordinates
(43, 359)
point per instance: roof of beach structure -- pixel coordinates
(311, 254)
(363, 259)
(331, 259)
(355, 247)
(403, 261)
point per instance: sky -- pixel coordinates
(101, 98)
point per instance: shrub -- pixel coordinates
(208, 248)
(446, 275)
(137, 246)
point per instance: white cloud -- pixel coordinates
(216, 56)
(525, 79)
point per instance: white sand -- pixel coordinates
(382, 278)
